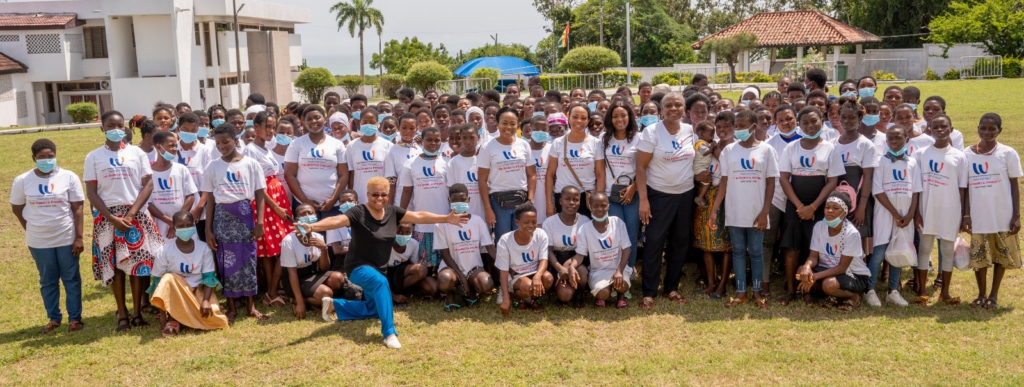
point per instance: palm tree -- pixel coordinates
(359, 15)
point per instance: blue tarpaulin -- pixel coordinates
(506, 65)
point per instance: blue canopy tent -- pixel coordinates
(506, 65)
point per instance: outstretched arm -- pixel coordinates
(423, 217)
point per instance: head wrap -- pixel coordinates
(254, 109)
(475, 109)
(558, 118)
(338, 117)
(840, 202)
(757, 94)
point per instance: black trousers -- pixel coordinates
(671, 223)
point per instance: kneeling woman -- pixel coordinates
(835, 265)
(307, 266)
(374, 226)
(570, 274)
(606, 241)
(184, 278)
(523, 262)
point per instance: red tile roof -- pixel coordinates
(796, 28)
(39, 21)
(11, 66)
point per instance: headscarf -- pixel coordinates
(558, 118)
(475, 109)
(254, 109)
(338, 117)
(757, 94)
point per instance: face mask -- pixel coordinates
(389, 138)
(383, 116)
(368, 130)
(114, 135)
(592, 106)
(807, 90)
(402, 240)
(283, 139)
(187, 137)
(742, 135)
(357, 115)
(899, 152)
(167, 156)
(601, 219)
(204, 132)
(46, 165)
(248, 123)
(786, 134)
(217, 122)
(866, 92)
(850, 94)
(460, 207)
(646, 121)
(829, 124)
(913, 105)
(746, 102)
(185, 234)
(870, 119)
(834, 222)
(346, 138)
(173, 128)
(431, 154)
(535, 114)
(346, 206)
(539, 137)
(815, 136)
(308, 219)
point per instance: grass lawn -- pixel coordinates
(701, 343)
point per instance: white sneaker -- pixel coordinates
(500, 299)
(872, 298)
(326, 302)
(894, 297)
(392, 342)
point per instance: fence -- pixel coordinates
(463, 86)
(983, 66)
(564, 82)
(878, 68)
(796, 70)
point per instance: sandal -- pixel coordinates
(232, 316)
(470, 302)
(921, 300)
(991, 304)
(277, 302)
(125, 327)
(786, 299)
(452, 307)
(848, 305)
(150, 309)
(599, 303)
(952, 301)
(733, 301)
(829, 302)
(171, 328)
(978, 302)
(937, 284)
(50, 327)
(75, 326)
(675, 297)
(621, 304)
(761, 302)
(647, 303)
(139, 322)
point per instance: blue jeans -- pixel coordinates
(377, 304)
(504, 219)
(629, 213)
(55, 265)
(747, 240)
(875, 264)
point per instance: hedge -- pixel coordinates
(82, 112)
(390, 84)
(424, 75)
(615, 78)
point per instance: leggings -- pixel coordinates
(924, 252)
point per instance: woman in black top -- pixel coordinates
(373, 226)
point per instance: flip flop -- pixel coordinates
(991, 304)
(452, 307)
(599, 303)
(787, 299)
(647, 303)
(171, 328)
(978, 302)
(733, 301)
(621, 304)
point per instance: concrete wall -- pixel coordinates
(154, 42)
(19, 85)
(269, 58)
(137, 95)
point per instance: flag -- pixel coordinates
(565, 37)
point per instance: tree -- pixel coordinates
(424, 75)
(400, 56)
(486, 72)
(559, 12)
(359, 15)
(351, 83)
(517, 50)
(904, 19)
(997, 24)
(729, 49)
(314, 81)
(657, 38)
(589, 59)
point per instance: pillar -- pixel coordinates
(835, 64)
(859, 50)
(714, 67)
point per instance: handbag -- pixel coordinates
(616, 194)
(509, 200)
(901, 252)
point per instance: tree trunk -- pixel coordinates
(362, 62)
(732, 72)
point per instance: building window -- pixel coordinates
(9, 38)
(208, 50)
(95, 42)
(198, 40)
(75, 45)
(202, 84)
(43, 44)
(209, 83)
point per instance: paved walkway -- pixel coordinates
(49, 128)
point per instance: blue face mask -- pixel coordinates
(167, 156)
(828, 124)
(115, 135)
(187, 137)
(742, 135)
(898, 153)
(746, 102)
(787, 134)
(601, 219)
(913, 105)
(834, 222)
(850, 94)
(203, 132)
(382, 116)
(870, 119)
(173, 128)
(592, 106)
(248, 123)
(389, 138)
(308, 219)
(46, 165)
(815, 136)
(535, 114)
(357, 115)
(346, 138)
(866, 92)
(368, 130)
(460, 207)
(344, 207)
(217, 122)
(431, 154)
(185, 234)
(283, 139)
(648, 120)
(539, 137)
(402, 240)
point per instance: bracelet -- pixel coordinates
(967, 216)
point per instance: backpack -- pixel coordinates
(848, 189)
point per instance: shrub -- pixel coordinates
(931, 75)
(486, 72)
(985, 67)
(614, 78)
(672, 78)
(313, 82)
(424, 75)
(1011, 67)
(747, 77)
(951, 75)
(82, 112)
(351, 83)
(881, 75)
(390, 83)
(589, 59)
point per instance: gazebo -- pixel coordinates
(795, 29)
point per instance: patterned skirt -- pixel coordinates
(131, 252)
(236, 253)
(274, 228)
(704, 237)
(427, 254)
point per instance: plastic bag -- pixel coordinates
(962, 253)
(901, 252)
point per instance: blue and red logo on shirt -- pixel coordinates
(186, 268)
(471, 177)
(45, 189)
(234, 177)
(316, 153)
(509, 155)
(117, 162)
(606, 242)
(617, 150)
(429, 171)
(569, 240)
(935, 166)
(528, 257)
(807, 162)
(980, 169)
(369, 156)
(466, 235)
(748, 164)
(165, 184)
(899, 175)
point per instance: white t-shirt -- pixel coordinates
(540, 161)
(464, 243)
(196, 160)
(294, 254)
(621, 156)
(430, 194)
(520, 260)
(822, 160)
(279, 159)
(397, 157)
(881, 147)
(264, 157)
(170, 188)
(562, 237)
(831, 248)
(778, 144)
(317, 166)
(506, 164)
(604, 249)
(861, 153)
(462, 170)
(189, 266)
(343, 235)
(988, 181)
(919, 142)
(151, 155)
(446, 151)
(409, 255)
(899, 181)
(582, 156)
(366, 161)
(671, 167)
(47, 201)
(747, 170)
(118, 175)
(231, 182)
(943, 173)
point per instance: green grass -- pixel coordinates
(702, 343)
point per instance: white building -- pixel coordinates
(128, 54)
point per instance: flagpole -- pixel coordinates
(629, 50)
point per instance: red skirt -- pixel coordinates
(274, 228)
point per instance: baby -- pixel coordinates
(705, 147)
